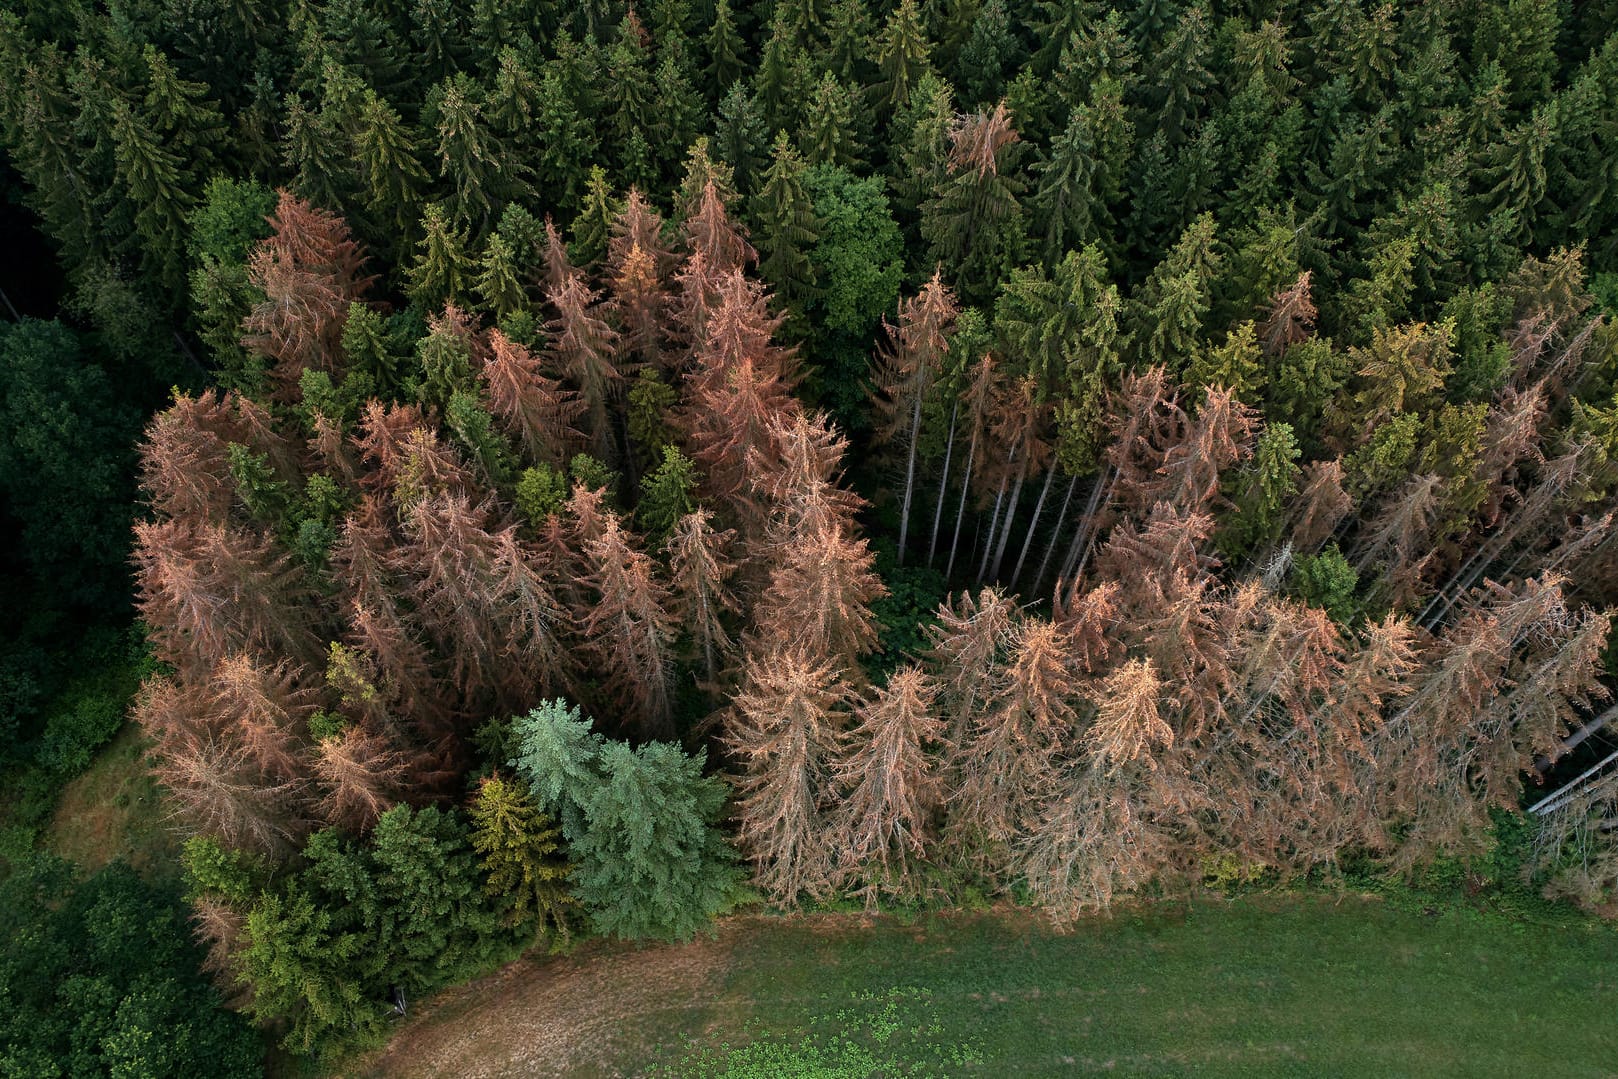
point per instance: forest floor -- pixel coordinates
(1264, 985)
(115, 809)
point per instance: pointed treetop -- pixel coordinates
(638, 225)
(710, 233)
(977, 139)
(1290, 319)
(1129, 724)
(558, 269)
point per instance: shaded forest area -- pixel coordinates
(586, 467)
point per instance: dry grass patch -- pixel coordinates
(115, 810)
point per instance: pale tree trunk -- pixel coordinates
(960, 508)
(910, 478)
(994, 529)
(1011, 517)
(1056, 534)
(1450, 592)
(994, 520)
(1576, 739)
(1462, 579)
(1033, 526)
(707, 641)
(1571, 789)
(943, 487)
(1081, 538)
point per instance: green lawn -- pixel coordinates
(1264, 986)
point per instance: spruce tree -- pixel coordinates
(630, 629)
(909, 367)
(154, 176)
(902, 52)
(725, 50)
(782, 80)
(632, 100)
(974, 224)
(786, 228)
(497, 283)
(585, 348)
(699, 571)
(484, 174)
(361, 774)
(681, 113)
(1008, 762)
(649, 861)
(564, 137)
(1265, 490)
(892, 786)
(593, 225)
(785, 730)
(850, 44)
(739, 136)
(520, 852)
(441, 271)
(991, 50)
(387, 159)
(667, 494)
(827, 136)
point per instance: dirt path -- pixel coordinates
(566, 1016)
(586, 1014)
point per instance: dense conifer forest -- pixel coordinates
(567, 469)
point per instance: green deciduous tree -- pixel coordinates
(100, 977)
(66, 470)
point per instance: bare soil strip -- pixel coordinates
(561, 1016)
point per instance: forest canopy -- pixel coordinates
(620, 462)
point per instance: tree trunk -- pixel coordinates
(1098, 495)
(1033, 526)
(994, 528)
(707, 641)
(1056, 534)
(910, 478)
(994, 521)
(1011, 518)
(943, 487)
(960, 508)
(1576, 739)
(1570, 790)
(1462, 579)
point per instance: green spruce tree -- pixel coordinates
(785, 229)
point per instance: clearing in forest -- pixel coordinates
(1260, 986)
